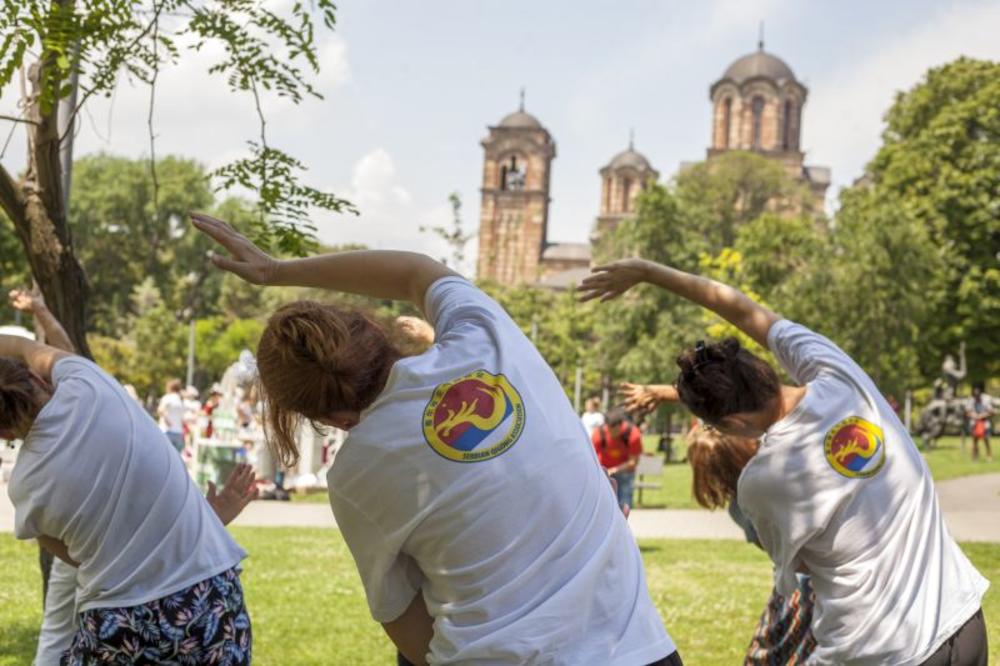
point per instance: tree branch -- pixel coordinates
(15, 119)
(152, 24)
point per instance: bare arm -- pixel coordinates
(38, 357)
(612, 280)
(403, 276)
(32, 302)
(57, 548)
(412, 631)
(645, 397)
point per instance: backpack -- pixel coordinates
(626, 434)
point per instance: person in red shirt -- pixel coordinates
(619, 444)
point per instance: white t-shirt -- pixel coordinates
(839, 486)
(591, 421)
(97, 473)
(471, 478)
(172, 411)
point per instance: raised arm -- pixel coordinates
(646, 397)
(38, 357)
(402, 276)
(612, 280)
(32, 303)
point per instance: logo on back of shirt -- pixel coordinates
(473, 418)
(855, 448)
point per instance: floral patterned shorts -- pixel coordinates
(206, 623)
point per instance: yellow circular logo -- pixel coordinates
(855, 448)
(474, 418)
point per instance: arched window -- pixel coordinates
(606, 195)
(512, 175)
(758, 112)
(626, 192)
(727, 114)
(786, 138)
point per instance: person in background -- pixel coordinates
(192, 413)
(171, 412)
(618, 444)
(592, 417)
(211, 404)
(980, 413)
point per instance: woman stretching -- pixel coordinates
(98, 484)
(837, 488)
(482, 527)
(783, 635)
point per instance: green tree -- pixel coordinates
(219, 341)
(82, 48)
(735, 188)
(122, 237)
(875, 289)
(939, 161)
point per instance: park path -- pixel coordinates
(971, 506)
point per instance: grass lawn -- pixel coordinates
(307, 605)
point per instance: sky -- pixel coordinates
(410, 89)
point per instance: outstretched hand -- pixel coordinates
(612, 280)
(416, 329)
(239, 490)
(638, 397)
(24, 300)
(246, 259)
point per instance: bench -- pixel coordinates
(650, 464)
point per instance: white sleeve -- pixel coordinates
(390, 577)
(804, 354)
(453, 301)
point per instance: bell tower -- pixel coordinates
(515, 199)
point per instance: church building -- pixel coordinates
(757, 106)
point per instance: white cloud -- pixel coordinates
(843, 122)
(390, 217)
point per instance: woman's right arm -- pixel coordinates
(38, 357)
(403, 276)
(612, 280)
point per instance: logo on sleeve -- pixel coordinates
(855, 448)
(473, 418)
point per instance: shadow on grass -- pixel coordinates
(645, 548)
(17, 642)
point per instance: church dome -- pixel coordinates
(759, 64)
(520, 120)
(630, 158)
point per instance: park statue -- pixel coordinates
(945, 413)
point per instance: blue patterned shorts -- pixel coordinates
(206, 623)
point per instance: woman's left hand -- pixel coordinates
(638, 397)
(239, 490)
(612, 280)
(248, 261)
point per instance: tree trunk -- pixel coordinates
(35, 204)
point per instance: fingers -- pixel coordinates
(227, 264)
(217, 230)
